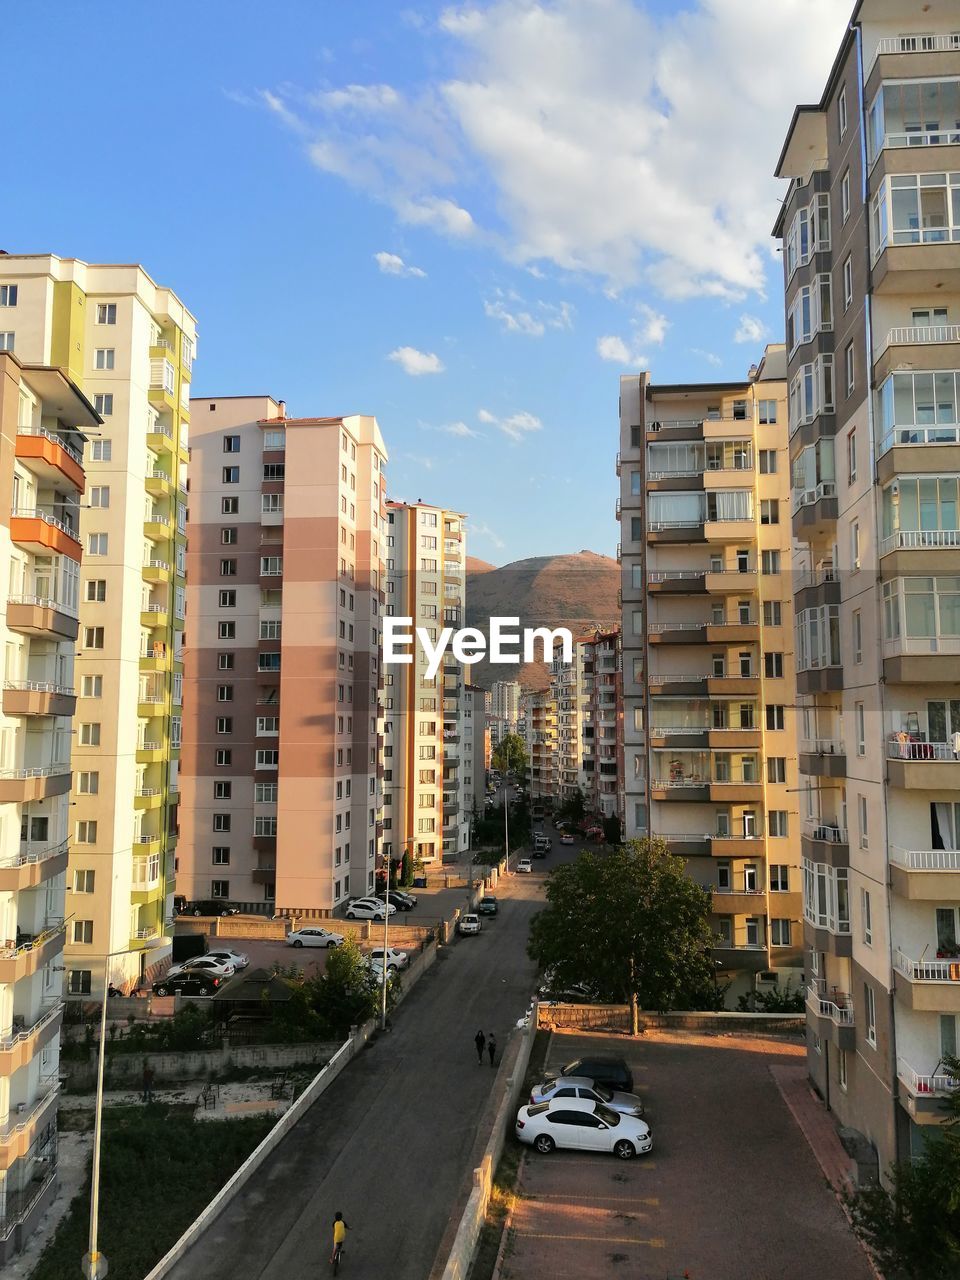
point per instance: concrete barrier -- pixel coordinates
(198, 1064)
(616, 1017)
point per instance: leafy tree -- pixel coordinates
(406, 869)
(913, 1228)
(510, 753)
(631, 924)
(612, 833)
(778, 999)
(347, 993)
(574, 808)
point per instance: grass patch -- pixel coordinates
(159, 1168)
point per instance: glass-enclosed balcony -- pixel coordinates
(919, 408)
(920, 513)
(923, 113)
(915, 208)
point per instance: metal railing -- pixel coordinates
(159, 429)
(927, 970)
(157, 564)
(823, 746)
(48, 1011)
(921, 645)
(917, 334)
(815, 577)
(46, 602)
(58, 440)
(674, 575)
(919, 1084)
(838, 1006)
(922, 751)
(926, 859)
(38, 771)
(38, 940)
(35, 513)
(920, 540)
(918, 433)
(689, 522)
(39, 686)
(826, 830)
(49, 1086)
(150, 746)
(29, 854)
(807, 497)
(927, 43)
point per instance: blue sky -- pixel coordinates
(558, 191)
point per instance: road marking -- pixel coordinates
(655, 1242)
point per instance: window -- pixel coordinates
(268, 759)
(89, 735)
(222, 790)
(266, 792)
(769, 563)
(97, 544)
(83, 881)
(847, 282)
(271, 502)
(86, 833)
(221, 822)
(771, 613)
(851, 454)
(271, 566)
(274, 470)
(779, 877)
(766, 412)
(106, 313)
(774, 716)
(226, 630)
(225, 661)
(224, 724)
(96, 590)
(228, 568)
(7, 340)
(870, 1010)
(88, 784)
(219, 888)
(91, 687)
(8, 295)
(857, 636)
(866, 917)
(773, 665)
(845, 196)
(268, 725)
(229, 506)
(849, 366)
(842, 112)
(769, 511)
(777, 823)
(93, 637)
(768, 462)
(860, 722)
(224, 692)
(231, 444)
(855, 545)
(104, 358)
(103, 403)
(79, 982)
(83, 931)
(229, 537)
(231, 475)
(780, 933)
(220, 855)
(228, 599)
(223, 757)
(842, 1068)
(864, 833)
(776, 769)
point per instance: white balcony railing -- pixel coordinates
(919, 1085)
(58, 440)
(38, 771)
(34, 852)
(18, 1120)
(807, 497)
(924, 43)
(674, 575)
(47, 602)
(19, 1034)
(920, 540)
(942, 970)
(39, 686)
(825, 829)
(918, 433)
(921, 751)
(922, 334)
(921, 645)
(35, 513)
(837, 1005)
(926, 859)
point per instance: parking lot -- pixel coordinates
(731, 1191)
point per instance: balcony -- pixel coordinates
(157, 658)
(918, 347)
(155, 615)
(831, 1013)
(159, 483)
(919, 659)
(37, 698)
(147, 798)
(684, 790)
(689, 736)
(30, 956)
(32, 866)
(676, 531)
(729, 530)
(745, 956)
(676, 632)
(923, 1096)
(143, 845)
(23, 1043)
(157, 527)
(921, 766)
(735, 685)
(160, 438)
(745, 844)
(679, 582)
(822, 840)
(668, 429)
(823, 758)
(688, 846)
(737, 902)
(22, 786)
(42, 616)
(814, 510)
(145, 935)
(928, 986)
(43, 534)
(156, 571)
(929, 875)
(895, 57)
(21, 1129)
(50, 457)
(898, 552)
(150, 751)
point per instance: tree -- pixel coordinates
(913, 1228)
(510, 753)
(406, 869)
(574, 808)
(347, 993)
(612, 832)
(629, 923)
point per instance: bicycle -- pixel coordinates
(337, 1253)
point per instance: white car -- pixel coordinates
(469, 923)
(581, 1087)
(580, 1124)
(313, 937)
(525, 865)
(239, 959)
(202, 964)
(395, 959)
(369, 909)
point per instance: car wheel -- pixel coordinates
(544, 1144)
(298, 942)
(163, 991)
(330, 944)
(624, 1150)
(351, 915)
(197, 911)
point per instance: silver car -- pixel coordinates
(581, 1087)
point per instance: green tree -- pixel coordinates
(612, 832)
(510, 753)
(630, 923)
(346, 993)
(406, 869)
(574, 808)
(913, 1228)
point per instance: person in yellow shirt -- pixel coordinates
(340, 1229)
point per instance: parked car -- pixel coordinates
(402, 895)
(398, 900)
(210, 907)
(313, 936)
(525, 865)
(566, 837)
(203, 964)
(580, 1087)
(601, 1068)
(395, 959)
(469, 923)
(239, 959)
(369, 909)
(581, 1124)
(188, 983)
(488, 905)
(575, 993)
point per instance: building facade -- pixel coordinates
(504, 708)
(43, 421)
(710, 761)
(870, 231)
(283, 733)
(129, 344)
(539, 712)
(602, 724)
(425, 810)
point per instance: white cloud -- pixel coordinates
(391, 264)
(516, 426)
(461, 430)
(477, 529)
(617, 351)
(750, 329)
(709, 356)
(361, 98)
(439, 213)
(415, 362)
(653, 326)
(517, 318)
(514, 321)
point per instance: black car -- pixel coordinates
(209, 907)
(487, 905)
(602, 1068)
(402, 901)
(197, 985)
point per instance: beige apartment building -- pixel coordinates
(43, 420)
(129, 344)
(870, 231)
(708, 663)
(504, 708)
(425, 811)
(541, 734)
(283, 732)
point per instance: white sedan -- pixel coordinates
(525, 865)
(581, 1087)
(239, 959)
(313, 937)
(581, 1125)
(369, 909)
(395, 959)
(202, 964)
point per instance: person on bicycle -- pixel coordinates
(340, 1229)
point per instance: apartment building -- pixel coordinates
(870, 231)
(708, 679)
(129, 344)
(425, 809)
(602, 719)
(504, 708)
(473, 743)
(283, 732)
(539, 710)
(567, 688)
(43, 420)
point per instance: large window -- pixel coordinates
(922, 615)
(808, 233)
(814, 473)
(826, 901)
(919, 408)
(921, 511)
(811, 391)
(818, 637)
(914, 114)
(916, 208)
(811, 312)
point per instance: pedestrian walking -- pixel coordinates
(480, 1040)
(148, 1077)
(492, 1047)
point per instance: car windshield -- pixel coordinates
(538, 1108)
(603, 1092)
(606, 1115)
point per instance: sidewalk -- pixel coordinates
(816, 1125)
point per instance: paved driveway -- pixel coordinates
(730, 1192)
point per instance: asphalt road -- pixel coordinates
(389, 1142)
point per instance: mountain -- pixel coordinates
(578, 591)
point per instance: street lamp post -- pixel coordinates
(506, 824)
(386, 918)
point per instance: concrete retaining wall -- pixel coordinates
(586, 1017)
(198, 1064)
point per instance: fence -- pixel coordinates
(616, 1017)
(195, 1064)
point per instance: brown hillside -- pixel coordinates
(578, 591)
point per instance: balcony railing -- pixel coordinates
(34, 852)
(674, 575)
(918, 433)
(920, 540)
(924, 1084)
(825, 829)
(927, 43)
(58, 440)
(921, 645)
(47, 602)
(688, 522)
(823, 746)
(38, 771)
(837, 1006)
(39, 686)
(807, 497)
(48, 1086)
(921, 334)
(48, 1012)
(926, 859)
(927, 970)
(50, 930)
(923, 751)
(35, 513)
